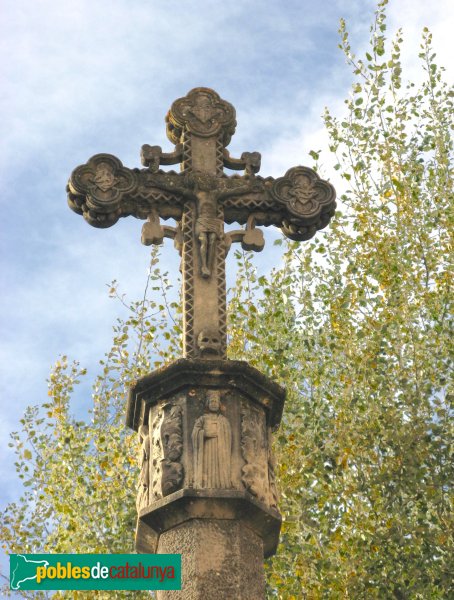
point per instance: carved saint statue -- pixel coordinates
(144, 479)
(212, 443)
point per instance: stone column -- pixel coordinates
(225, 560)
(207, 487)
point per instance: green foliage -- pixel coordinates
(357, 324)
(78, 474)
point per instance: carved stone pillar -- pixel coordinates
(206, 486)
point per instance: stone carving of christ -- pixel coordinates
(208, 229)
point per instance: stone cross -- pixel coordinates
(201, 198)
(207, 484)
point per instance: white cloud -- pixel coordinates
(412, 17)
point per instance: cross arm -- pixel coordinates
(103, 190)
(153, 156)
(249, 161)
(299, 203)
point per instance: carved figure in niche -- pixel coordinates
(208, 229)
(203, 109)
(273, 495)
(157, 456)
(144, 478)
(254, 474)
(104, 177)
(212, 446)
(301, 193)
(172, 443)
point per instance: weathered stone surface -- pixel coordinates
(188, 504)
(225, 561)
(186, 372)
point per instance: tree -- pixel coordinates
(356, 324)
(78, 474)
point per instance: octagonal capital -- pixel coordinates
(205, 432)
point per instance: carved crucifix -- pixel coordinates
(201, 198)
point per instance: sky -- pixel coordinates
(79, 77)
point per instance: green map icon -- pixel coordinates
(23, 569)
